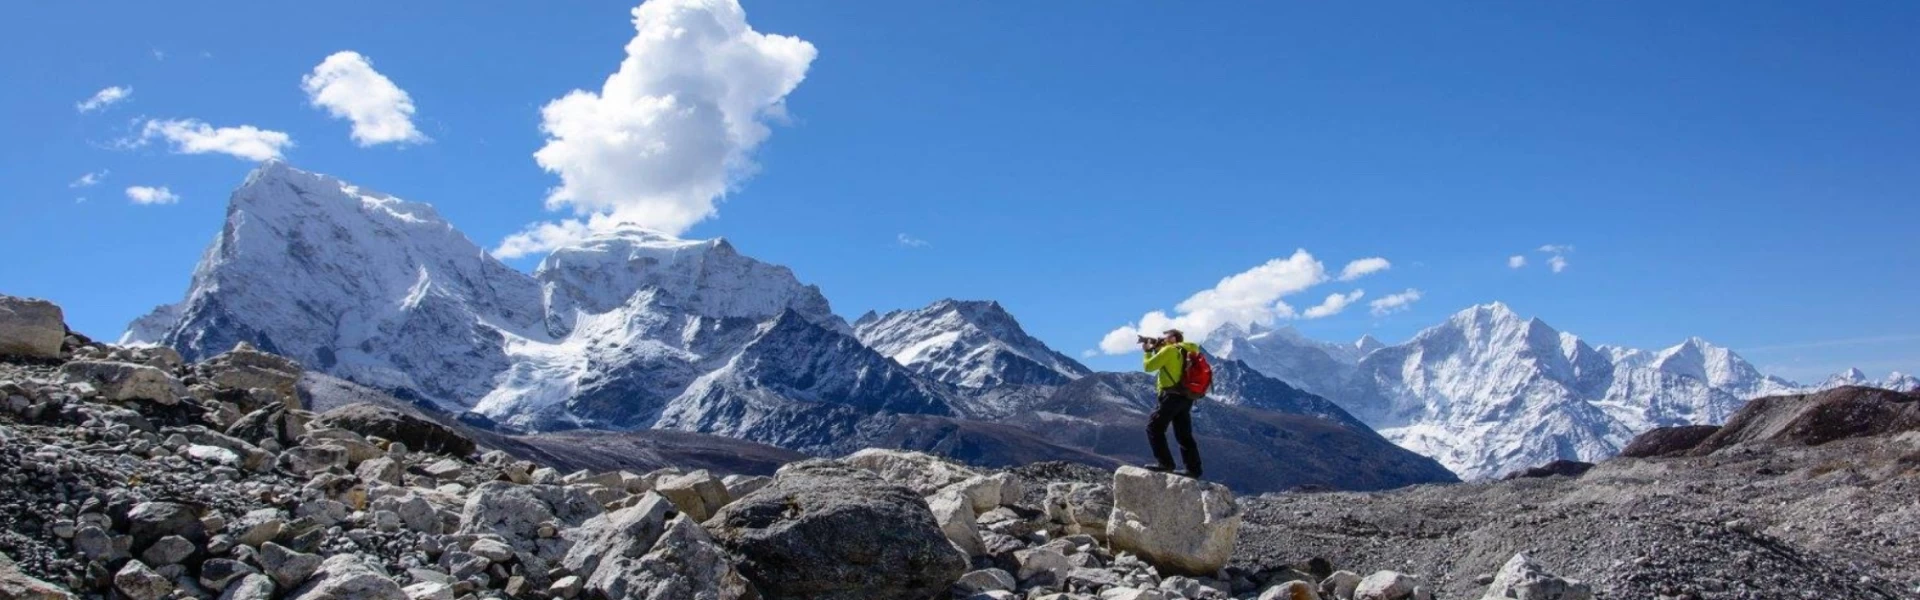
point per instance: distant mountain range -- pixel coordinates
(631, 329)
(1488, 392)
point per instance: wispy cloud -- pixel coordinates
(190, 136)
(346, 85)
(1393, 303)
(1364, 267)
(908, 241)
(1557, 263)
(104, 98)
(141, 194)
(1254, 296)
(89, 179)
(1333, 304)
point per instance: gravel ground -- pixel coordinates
(1835, 521)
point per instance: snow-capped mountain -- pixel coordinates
(1896, 381)
(627, 329)
(1488, 392)
(631, 329)
(972, 344)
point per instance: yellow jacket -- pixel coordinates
(1169, 363)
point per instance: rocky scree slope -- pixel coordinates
(1797, 496)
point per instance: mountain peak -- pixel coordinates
(972, 343)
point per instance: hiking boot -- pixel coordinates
(1158, 468)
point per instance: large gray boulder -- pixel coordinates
(825, 529)
(1080, 507)
(345, 576)
(1178, 524)
(625, 533)
(923, 473)
(30, 327)
(953, 512)
(517, 512)
(699, 494)
(1523, 579)
(122, 381)
(392, 424)
(684, 563)
(247, 368)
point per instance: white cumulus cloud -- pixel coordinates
(1253, 296)
(89, 179)
(1393, 303)
(103, 98)
(674, 129)
(190, 136)
(1333, 304)
(346, 85)
(1364, 267)
(1557, 263)
(1516, 261)
(141, 194)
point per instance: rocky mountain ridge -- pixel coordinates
(1489, 392)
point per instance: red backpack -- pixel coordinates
(1197, 375)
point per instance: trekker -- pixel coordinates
(1183, 377)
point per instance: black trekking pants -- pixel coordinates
(1175, 409)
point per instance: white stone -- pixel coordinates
(1523, 579)
(1292, 590)
(1175, 523)
(699, 494)
(954, 513)
(923, 473)
(1386, 585)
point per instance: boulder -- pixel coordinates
(1292, 590)
(954, 513)
(392, 424)
(699, 494)
(287, 567)
(429, 590)
(147, 522)
(121, 381)
(382, 469)
(684, 563)
(1339, 585)
(826, 529)
(1041, 566)
(15, 584)
(983, 492)
(1386, 585)
(277, 423)
(31, 327)
(1080, 507)
(982, 581)
(923, 473)
(1668, 441)
(346, 576)
(216, 574)
(1178, 524)
(306, 461)
(628, 532)
(245, 368)
(168, 550)
(741, 485)
(137, 582)
(251, 587)
(516, 513)
(1523, 579)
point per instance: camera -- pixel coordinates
(1150, 341)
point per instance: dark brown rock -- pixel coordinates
(1668, 441)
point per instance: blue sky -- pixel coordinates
(1743, 172)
